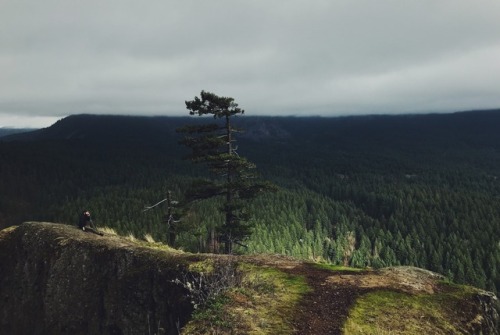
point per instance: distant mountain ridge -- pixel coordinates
(373, 142)
(11, 131)
(99, 127)
(471, 128)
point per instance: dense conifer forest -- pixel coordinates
(375, 191)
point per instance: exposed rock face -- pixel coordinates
(56, 279)
(488, 319)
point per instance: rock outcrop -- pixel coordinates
(56, 279)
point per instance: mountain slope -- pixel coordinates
(12, 131)
(471, 128)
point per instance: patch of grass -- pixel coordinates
(159, 246)
(149, 238)
(204, 266)
(6, 231)
(455, 290)
(212, 318)
(131, 238)
(388, 312)
(148, 241)
(108, 231)
(332, 267)
(272, 297)
(262, 304)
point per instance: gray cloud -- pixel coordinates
(274, 57)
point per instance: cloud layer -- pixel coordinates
(274, 57)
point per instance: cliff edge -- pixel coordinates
(56, 279)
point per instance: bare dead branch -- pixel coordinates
(147, 208)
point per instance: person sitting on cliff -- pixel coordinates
(85, 223)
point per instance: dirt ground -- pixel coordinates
(325, 308)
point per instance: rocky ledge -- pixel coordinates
(57, 279)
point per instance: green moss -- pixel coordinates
(388, 312)
(204, 266)
(262, 304)
(213, 315)
(273, 298)
(456, 290)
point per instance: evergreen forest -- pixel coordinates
(363, 191)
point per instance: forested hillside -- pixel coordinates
(11, 131)
(374, 191)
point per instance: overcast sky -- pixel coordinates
(331, 57)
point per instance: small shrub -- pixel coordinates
(205, 287)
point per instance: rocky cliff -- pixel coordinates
(56, 279)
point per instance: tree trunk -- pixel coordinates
(228, 243)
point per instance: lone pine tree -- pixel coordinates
(233, 176)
